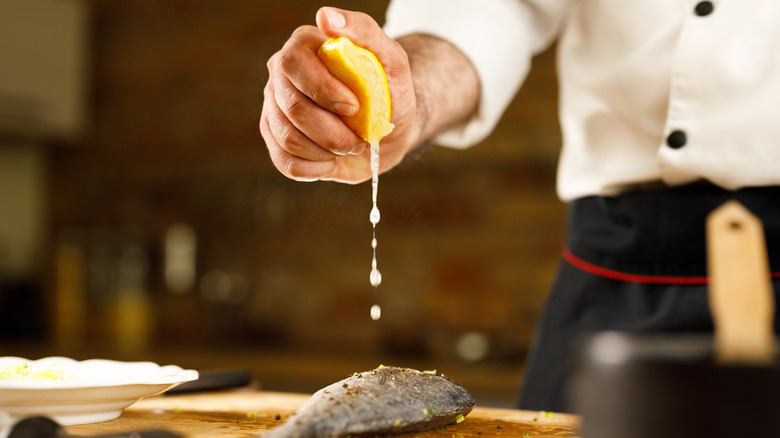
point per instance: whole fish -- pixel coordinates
(386, 400)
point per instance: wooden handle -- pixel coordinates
(740, 291)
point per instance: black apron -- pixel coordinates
(635, 263)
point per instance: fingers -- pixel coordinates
(304, 128)
(298, 61)
(299, 121)
(304, 155)
(289, 164)
(287, 136)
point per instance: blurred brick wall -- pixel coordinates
(468, 241)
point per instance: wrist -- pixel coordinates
(446, 85)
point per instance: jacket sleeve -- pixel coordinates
(499, 37)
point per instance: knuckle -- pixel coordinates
(284, 133)
(365, 20)
(261, 125)
(296, 106)
(400, 62)
(268, 92)
(301, 31)
(272, 61)
(321, 93)
(398, 50)
(296, 44)
(287, 62)
(264, 121)
(289, 138)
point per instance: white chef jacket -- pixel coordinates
(650, 90)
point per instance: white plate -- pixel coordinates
(99, 392)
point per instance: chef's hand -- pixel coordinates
(305, 137)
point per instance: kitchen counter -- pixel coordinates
(249, 412)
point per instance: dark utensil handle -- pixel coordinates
(214, 380)
(44, 427)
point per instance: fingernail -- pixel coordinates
(345, 109)
(358, 150)
(336, 19)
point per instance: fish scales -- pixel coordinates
(386, 400)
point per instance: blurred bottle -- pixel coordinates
(132, 312)
(180, 251)
(70, 312)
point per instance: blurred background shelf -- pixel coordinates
(146, 221)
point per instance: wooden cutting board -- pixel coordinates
(246, 413)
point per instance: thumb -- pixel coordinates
(331, 21)
(357, 26)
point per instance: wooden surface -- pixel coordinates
(246, 413)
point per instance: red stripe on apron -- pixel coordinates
(634, 278)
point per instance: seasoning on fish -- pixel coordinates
(386, 400)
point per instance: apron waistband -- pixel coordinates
(659, 236)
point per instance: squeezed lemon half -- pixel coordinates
(362, 72)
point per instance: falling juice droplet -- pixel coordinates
(376, 312)
(375, 277)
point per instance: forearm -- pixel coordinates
(446, 85)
